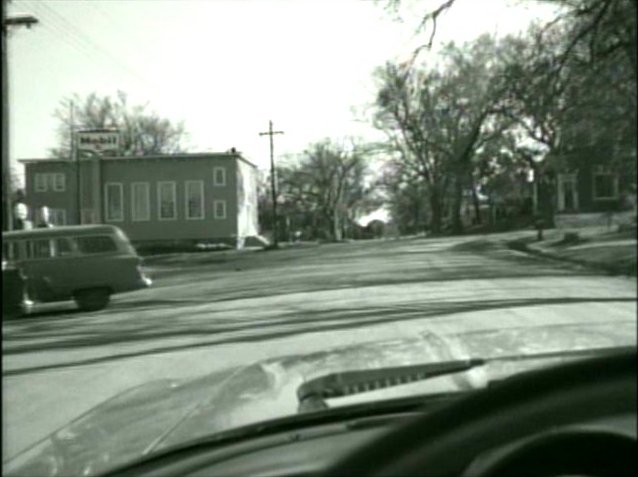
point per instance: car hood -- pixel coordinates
(165, 413)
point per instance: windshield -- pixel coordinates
(300, 194)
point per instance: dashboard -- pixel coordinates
(551, 422)
(573, 450)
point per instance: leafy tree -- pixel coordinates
(141, 132)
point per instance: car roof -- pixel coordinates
(61, 231)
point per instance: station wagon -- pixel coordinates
(85, 263)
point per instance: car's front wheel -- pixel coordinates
(92, 299)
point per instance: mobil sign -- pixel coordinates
(98, 141)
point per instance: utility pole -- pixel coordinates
(273, 181)
(7, 222)
(75, 160)
(17, 20)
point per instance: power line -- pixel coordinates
(63, 30)
(113, 23)
(79, 34)
(66, 28)
(61, 34)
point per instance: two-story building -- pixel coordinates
(207, 197)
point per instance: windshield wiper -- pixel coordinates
(312, 394)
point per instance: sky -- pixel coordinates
(227, 67)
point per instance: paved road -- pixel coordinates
(225, 309)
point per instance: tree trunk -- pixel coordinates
(546, 201)
(336, 226)
(477, 206)
(424, 215)
(457, 203)
(435, 211)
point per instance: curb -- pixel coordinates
(521, 246)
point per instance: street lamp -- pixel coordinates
(16, 20)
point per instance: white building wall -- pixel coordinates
(247, 223)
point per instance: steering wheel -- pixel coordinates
(445, 442)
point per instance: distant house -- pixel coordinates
(592, 173)
(207, 197)
(591, 178)
(588, 187)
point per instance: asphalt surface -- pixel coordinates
(210, 311)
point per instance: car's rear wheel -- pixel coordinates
(92, 299)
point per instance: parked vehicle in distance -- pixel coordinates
(86, 263)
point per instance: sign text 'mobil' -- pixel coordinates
(98, 141)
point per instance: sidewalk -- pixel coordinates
(594, 247)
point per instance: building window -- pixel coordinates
(59, 182)
(194, 199)
(39, 249)
(40, 182)
(219, 176)
(114, 200)
(140, 201)
(219, 209)
(62, 246)
(58, 216)
(50, 181)
(605, 185)
(167, 200)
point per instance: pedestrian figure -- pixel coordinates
(21, 217)
(45, 218)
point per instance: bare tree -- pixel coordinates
(575, 73)
(560, 100)
(142, 133)
(438, 116)
(604, 27)
(405, 102)
(328, 185)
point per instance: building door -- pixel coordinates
(567, 193)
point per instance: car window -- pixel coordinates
(96, 244)
(10, 251)
(62, 246)
(39, 249)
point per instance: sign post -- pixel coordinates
(97, 142)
